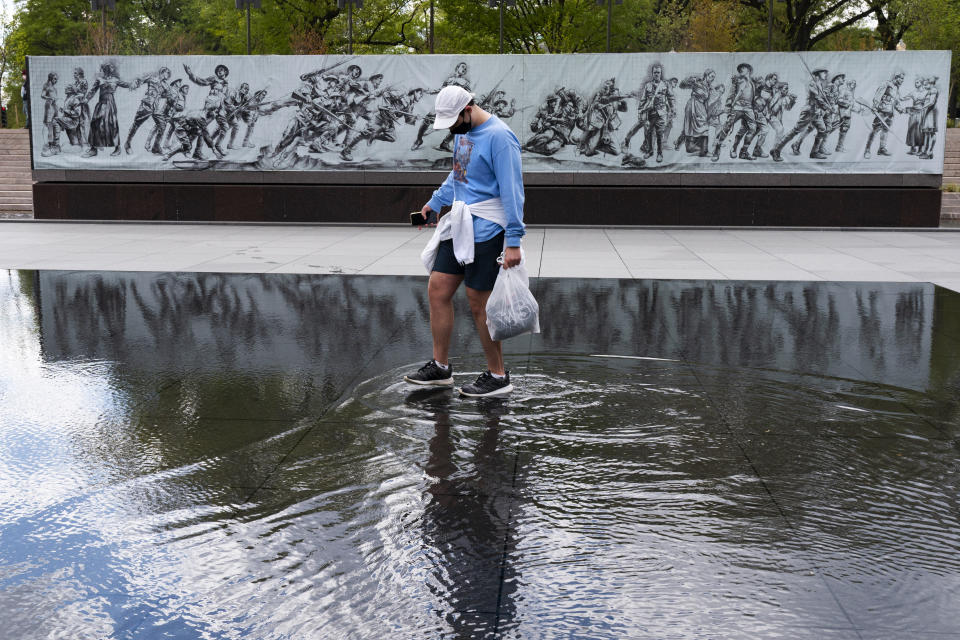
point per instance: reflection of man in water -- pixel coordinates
(466, 527)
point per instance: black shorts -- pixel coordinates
(482, 272)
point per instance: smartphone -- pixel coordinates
(418, 220)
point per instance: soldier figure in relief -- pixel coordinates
(458, 79)
(213, 103)
(600, 119)
(847, 106)
(655, 107)
(152, 103)
(740, 108)
(812, 115)
(886, 101)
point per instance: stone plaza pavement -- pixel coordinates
(634, 253)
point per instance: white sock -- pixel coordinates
(498, 376)
(442, 366)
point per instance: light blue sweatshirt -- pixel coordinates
(486, 164)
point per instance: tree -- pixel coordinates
(540, 26)
(5, 57)
(939, 28)
(714, 25)
(669, 26)
(807, 22)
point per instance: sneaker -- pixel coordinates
(432, 374)
(486, 386)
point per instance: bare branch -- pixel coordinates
(841, 25)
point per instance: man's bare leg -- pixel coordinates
(492, 349)
(440, 292)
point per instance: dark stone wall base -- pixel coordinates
(586, 205)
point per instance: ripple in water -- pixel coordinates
(607, 498)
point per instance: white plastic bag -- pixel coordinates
(511, 308)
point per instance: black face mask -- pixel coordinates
(462, 128)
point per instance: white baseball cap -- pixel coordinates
(450, 102)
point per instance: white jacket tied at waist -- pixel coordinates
(458, 224)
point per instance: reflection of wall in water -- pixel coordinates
(287, 322)
(210, 321)
(821, 328)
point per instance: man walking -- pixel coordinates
(485, 189)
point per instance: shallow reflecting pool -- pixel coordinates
(232, 456)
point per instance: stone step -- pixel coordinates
(16, 207)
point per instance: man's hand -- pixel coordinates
(425, 212)
(511, 257)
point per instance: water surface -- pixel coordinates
(232, 456)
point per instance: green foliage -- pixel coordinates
(850, 39)
(68, 27)
(541, 26)
(940, 29)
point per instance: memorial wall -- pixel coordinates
(582, 119)
(854, 112)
